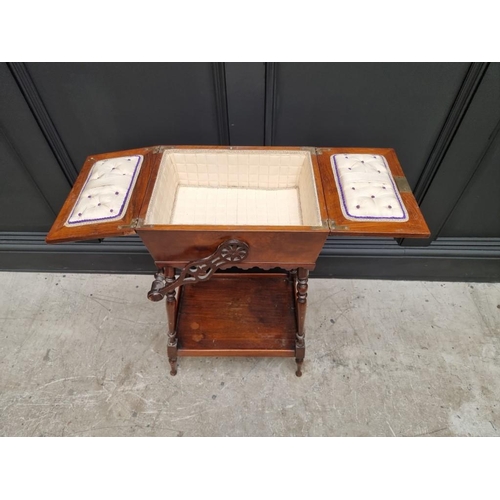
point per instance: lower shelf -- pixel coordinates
(238, 315)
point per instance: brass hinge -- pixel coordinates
(307, 148)
(134, 223)
(334, 227)
(402, 184)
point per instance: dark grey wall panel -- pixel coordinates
(403, 106)
(443, 120)
(477, 213)
(245, 84)
(471, 149)
(99, 107)
(21, 202)
(466, 94)
(32, 186)
(29, 252)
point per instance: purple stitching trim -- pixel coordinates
(125, 199)
(403, 209)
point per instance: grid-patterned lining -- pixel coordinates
(164, 191)
(235, 206)
(235, 188)
(239, 169)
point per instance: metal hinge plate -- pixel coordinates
(334, 227)
(134, 224)
(402, 184)
(311, 150)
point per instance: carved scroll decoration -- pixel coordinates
(227, 253)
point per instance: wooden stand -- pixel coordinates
(212, 314)
(238, 314)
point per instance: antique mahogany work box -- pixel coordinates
(199, 209)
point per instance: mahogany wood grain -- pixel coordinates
(252, 313)
(172, 306)
(262, 353)
(269, 246)
(302, 276)
(290, 245)
(265, 266)
(415, 227)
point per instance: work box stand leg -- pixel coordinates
(171, 306)
(230, 252)
(301, 302)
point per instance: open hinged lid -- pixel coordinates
(106, 197)
(367, 194)
(356, 192)
(194, 188)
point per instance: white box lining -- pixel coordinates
(234, 187)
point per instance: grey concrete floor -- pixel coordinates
(85, 355)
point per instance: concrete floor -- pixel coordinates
(85, 355)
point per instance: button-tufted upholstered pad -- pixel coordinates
(106, 193)
(367, 189)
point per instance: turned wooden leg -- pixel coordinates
(171, 306)
(300, 345)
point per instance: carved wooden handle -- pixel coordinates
(155, 294)
(227, 253)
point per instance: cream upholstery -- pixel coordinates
(164, 192)
(106, 193)
(221, 187)
(366, 188)
(236, 206)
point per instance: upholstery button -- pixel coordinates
(80, 214)
(89, 196)
(116, 192)
(389, 206)
(111, 210)
(353, 188)
(357, 206)
(373, 196)
(98, 204)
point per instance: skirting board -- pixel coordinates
(446, 259)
